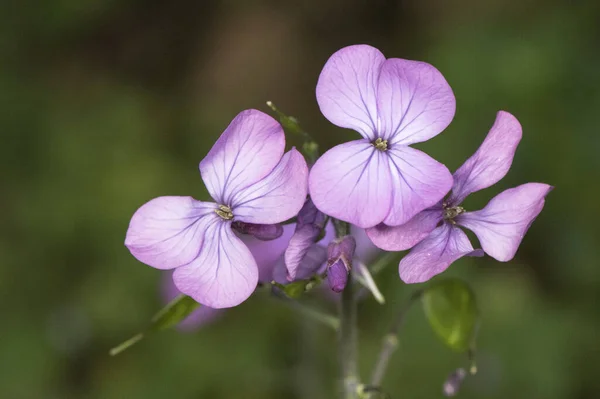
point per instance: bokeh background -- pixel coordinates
(107, 104)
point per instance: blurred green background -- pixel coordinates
(107, 104)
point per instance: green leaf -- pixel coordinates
(175, 312)
(172, 314)
(451, 309)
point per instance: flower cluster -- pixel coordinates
(402, 197)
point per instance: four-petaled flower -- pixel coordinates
(252, 181)
(392, 103)
(500, 226)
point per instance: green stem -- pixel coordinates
(348, 333)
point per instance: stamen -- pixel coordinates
(225, 212)
(452, 212)
(380, 144)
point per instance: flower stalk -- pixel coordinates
(348, 333)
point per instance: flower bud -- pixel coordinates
(339, 262)
(263, 232)
(454, 381)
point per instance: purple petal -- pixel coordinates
(224, 274)
(246, 152)
(309, 214)
(403, 237)
(277, 197)
(346, 90)
(419, 182)
(312, 263)
(434, 254)
(414, 101)
(167, 232)
(302, 240)
(198, 317)
(263, 232)
(351, 182)
(342, 248)
(491, 161)
(502, 224)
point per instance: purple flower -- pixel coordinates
(251, 180)
(500, 226)
(391, 103)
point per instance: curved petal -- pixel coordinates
(351, 182)
(277, 197)
(502, 224)
(419, 182)
(434, 254)
(407, 235)
(491, 161)
(346, 90)
(245, 153)
(414, 101)
(312, 263)
(167, 232)
(198, 317)
(302, 240)
(224, 274)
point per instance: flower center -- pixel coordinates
(380, 144)
(450, 212)
(225, 212)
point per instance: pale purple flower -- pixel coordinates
(391, 103)
(500, 226)
(251, 180)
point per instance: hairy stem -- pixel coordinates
(390, 342)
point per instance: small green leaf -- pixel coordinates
(176, 311)
(451, 309)
(296, 289)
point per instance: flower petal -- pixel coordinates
(407, 235)
(502, 224)
(246, 152)
(302, 240)
(198, 317)
(419, 182)
(167, 232)
(351, 182)
(277, 197)
(224, 274)
(491, 161)
(312, 263)
(434, 254)
(414, 101)
(346, 90)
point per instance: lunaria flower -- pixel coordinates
(500, 226)
(391, 103)
(252, 181)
